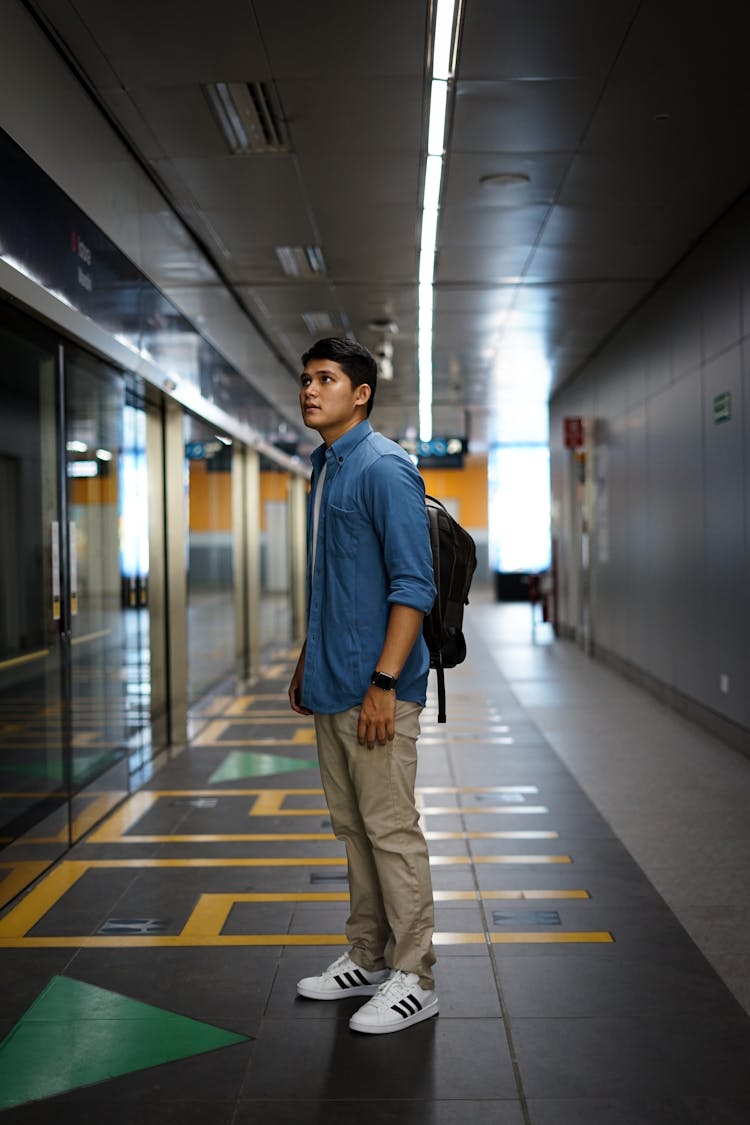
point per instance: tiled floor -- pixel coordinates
(570, 993)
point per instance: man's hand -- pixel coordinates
(295, 687)
(377, 718)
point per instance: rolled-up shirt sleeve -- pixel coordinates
(395, 496)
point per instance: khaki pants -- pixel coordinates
(370, 796)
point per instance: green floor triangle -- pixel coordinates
(240, 764)
(75, 1034)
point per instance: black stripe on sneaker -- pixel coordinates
(408, 1006)
(361, 978)
(342, 982)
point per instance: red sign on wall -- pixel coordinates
(573, 433)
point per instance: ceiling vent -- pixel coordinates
(301, 261)
(249, 116)
(319, 322)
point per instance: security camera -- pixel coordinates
(383, 350)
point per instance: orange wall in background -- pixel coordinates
(94, 490)
(211, 493)
(468, 486)
(210, 499)
(273, 486)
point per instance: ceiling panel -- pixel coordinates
(491, 264)
(176, 42)
(259, 185)
(180, 119)
(542, 38)
(463, 179)
(312, 41)
(490, 226)
(379, 116)
(521, 116)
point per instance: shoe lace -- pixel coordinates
(391, 990)
(340, 963)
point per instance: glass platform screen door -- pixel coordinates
(107, 527)
(33, 781)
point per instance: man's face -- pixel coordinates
(329, 402)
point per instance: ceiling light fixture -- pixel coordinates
(301, 261)
(447, 22)
(249, 116)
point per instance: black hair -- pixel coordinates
(353, 359)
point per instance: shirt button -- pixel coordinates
(341, 460)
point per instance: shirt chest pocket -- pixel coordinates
(342, 532)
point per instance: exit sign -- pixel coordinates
(573, 433)
(723, 406)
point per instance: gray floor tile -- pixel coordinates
(617, 985)
(413, 1112)
(439, 1058)
(607, 1057)
(611, 1111)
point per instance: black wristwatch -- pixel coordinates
(384, 681)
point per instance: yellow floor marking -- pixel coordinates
(511, 859)
(479, 789)
(211, 912)
(21, 874)
(98, 941)
(216, 705)
(60, 879)
(131, 811)
(268, 803)
(490, 739)
(28, 796)
(212, 734)
(492, 835)
(508, 810)
(492, 895)
(15, 661)
(99, 807)
(92, 813)
(41, 898)
(293, 837)
(545, 938)
(87, 637)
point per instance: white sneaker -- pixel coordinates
(343, 978)
(398, 1003)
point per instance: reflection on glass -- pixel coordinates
(210, 586)
(109, 614)
(33, 808)
(275, 572)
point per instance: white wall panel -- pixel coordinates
(726, 557)
(672, 589)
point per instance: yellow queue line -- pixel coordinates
(293, 837)
(20, 874)
(99, 941)
(27, 658)
(268, 803)
(211, 912)
(41, 898)
(86, 638)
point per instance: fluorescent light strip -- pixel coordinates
(436, 129)
(441, 59)
(441, 73)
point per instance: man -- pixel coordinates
(362, 673)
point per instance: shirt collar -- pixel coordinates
(343, 446)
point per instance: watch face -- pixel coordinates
(383, 680)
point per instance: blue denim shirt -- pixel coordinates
(373, 550)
